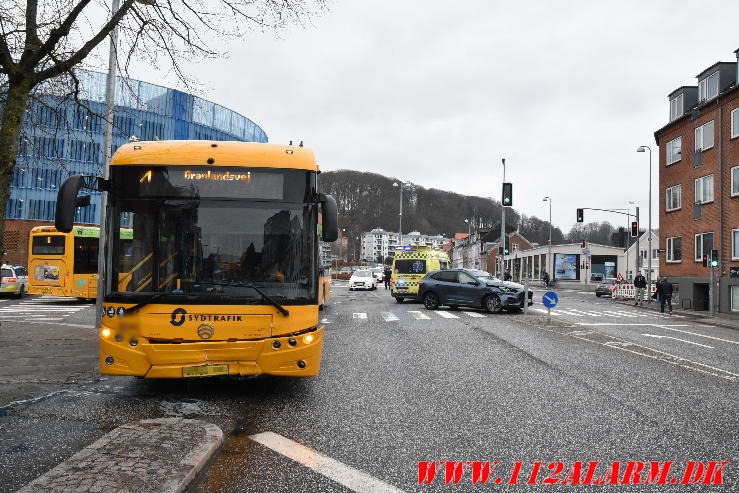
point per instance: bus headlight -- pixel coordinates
(105, 332)
(308, 339)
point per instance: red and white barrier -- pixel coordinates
(627, 291)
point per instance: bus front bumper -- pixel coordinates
(295, 356)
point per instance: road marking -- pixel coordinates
(475, 314)
(362, 316)
(418, 315)
(676, 339)
(667, 327)
(542, 310)
(389, 317)
(593, 314)
(446, 314)
(354, 479)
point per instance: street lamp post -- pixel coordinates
(549, 254)
(400, 215)
(469, 228)
(649, 237)
(502, 225)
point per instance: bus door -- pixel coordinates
(85, 265)
(48, 269)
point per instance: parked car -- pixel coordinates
(362, 279)
(379, 274)
(13, 280)
(605, 287)
(473, 288)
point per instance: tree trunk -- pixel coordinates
(10, 132)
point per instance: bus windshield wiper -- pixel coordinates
(264, 295)
(252, 286)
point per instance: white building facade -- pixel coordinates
(630, 256)
(379, 243)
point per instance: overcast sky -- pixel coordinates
(437, 92)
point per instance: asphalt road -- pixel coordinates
(400, 384)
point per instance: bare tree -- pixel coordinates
(43, 42)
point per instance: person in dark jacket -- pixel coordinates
(387, 273)
(640, 283)
(507, 276)
(664, 294)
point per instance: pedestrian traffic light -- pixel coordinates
(507, 194)
(634, 229)
(714, 258)
(506, 250)
(580, 215)
(705, 260)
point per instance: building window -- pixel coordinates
(735, 123)
(704, 189)
(708, 87)
(672, 198)
(735, 181)
(674, 249)
(735, 298)
(703, 245)
(704, 136)
(676, 107)
(674, 150)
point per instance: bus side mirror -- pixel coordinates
(66, 203)
(330, 215)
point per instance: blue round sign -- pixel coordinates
(550, 299)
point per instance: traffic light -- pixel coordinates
(634, 229)
(714, 258)
(580, 215)
(507, 194)
(705, 260)
(584, 244)
(506, 250)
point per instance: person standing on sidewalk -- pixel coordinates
(664, 293)
(387, 273)
(640, 283)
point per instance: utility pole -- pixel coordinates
(502, 226)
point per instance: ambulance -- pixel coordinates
(410, 264)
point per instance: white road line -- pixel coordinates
(542, 310)
(677, 339)
(475, 314)
(593, 314)
(418, 315)
(362, 316)
(446, 314)
(389, 317)
(354, 479)
(694, 333)
(620, 314)
(568, 312)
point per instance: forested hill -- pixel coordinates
(368, 200)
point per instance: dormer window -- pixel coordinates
(708, 87)
(676, 107)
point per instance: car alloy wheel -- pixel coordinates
(431, 301)
(492, 304)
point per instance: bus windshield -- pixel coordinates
(220, 241)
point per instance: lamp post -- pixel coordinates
(400, 214)
(649, 213)
(628, 240)
(502, 225)
(469, 230)
(549, 255)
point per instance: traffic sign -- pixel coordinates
(550, 299)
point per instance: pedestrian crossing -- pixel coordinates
(398, 316)
(573, 312)
(42, 309)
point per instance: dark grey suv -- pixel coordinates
(472, 288)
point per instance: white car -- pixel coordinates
(13, 280)
(362, 279)
(379, 274)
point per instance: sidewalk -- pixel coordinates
(719, 319)
(164, 455)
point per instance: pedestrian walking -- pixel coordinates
(640, 283)
(664, 294)
(386, 274)
(507, 276)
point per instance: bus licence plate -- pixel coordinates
(204, 370)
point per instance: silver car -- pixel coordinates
(13, 280)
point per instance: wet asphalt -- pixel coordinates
(399, 385)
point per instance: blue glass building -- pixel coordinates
(63, 138)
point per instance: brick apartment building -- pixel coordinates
(699, 188)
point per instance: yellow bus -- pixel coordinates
(221, 275)
(65, 264)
